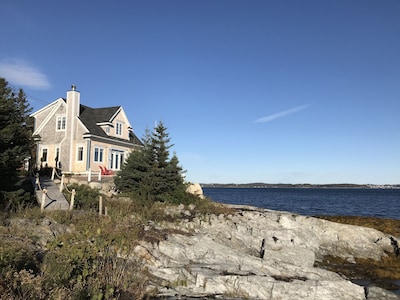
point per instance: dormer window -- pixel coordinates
(105, 126)
(61, 123)
(118, 128)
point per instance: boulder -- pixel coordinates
(195, 189)
(44, 232)
(72, 180)
(95, 185)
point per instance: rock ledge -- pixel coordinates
(261, 254)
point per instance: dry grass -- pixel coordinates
(83, 261)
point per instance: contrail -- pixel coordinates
(280, 114)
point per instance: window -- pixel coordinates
(98, 154)
(58, 162)
(61, 123)
(80, 154)
(57, 158)
(118, 129)
(44, 155)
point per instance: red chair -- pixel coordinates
(105, 171)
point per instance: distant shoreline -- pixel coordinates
(304, 185)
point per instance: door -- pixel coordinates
(117, 159)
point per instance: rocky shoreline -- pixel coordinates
(384, 273)
(245, 252)
(257, 253)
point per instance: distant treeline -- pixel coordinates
(298, 185)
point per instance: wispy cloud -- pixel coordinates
(21, 73)
(280, 114)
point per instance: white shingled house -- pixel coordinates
(79, 138)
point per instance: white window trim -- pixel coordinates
(120, 153)
(61, 118)
(47, 155)
(119, 127)
(100, 149)
(77, 153)
(57, 157)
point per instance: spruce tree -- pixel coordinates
(159, 146)
(15, 134)
(175, 180)
(151, 172)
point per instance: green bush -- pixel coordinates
(16, 201)
(15, 259)
(19, 271)
(85, 197)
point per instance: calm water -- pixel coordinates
(383, 203)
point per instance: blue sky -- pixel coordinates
(250, 91)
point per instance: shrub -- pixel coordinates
(15, 258)
(19, 270)
(85, 197)
(88, 263)
(16, 201)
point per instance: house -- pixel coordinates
(79, 138)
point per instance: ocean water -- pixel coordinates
(382, 203)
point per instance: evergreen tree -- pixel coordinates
(150, 172)
(133, 173)
(15, 134)
(159, 147)
(175, 173)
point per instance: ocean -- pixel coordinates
(381, 203)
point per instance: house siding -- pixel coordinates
(107, 154)
(79, 166)
(50, 138)
(49, 135)
(51, 155)
(122, 119)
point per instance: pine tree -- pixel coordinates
(150, 172)
(15, 134)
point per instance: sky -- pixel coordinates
(250, 91)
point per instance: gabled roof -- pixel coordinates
(91, 117)
(52, 107)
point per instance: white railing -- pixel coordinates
(89, 175)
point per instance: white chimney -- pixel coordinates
(73, 105)
(73, 102)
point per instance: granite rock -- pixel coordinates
(261, 254)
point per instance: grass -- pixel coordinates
(84, 257)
